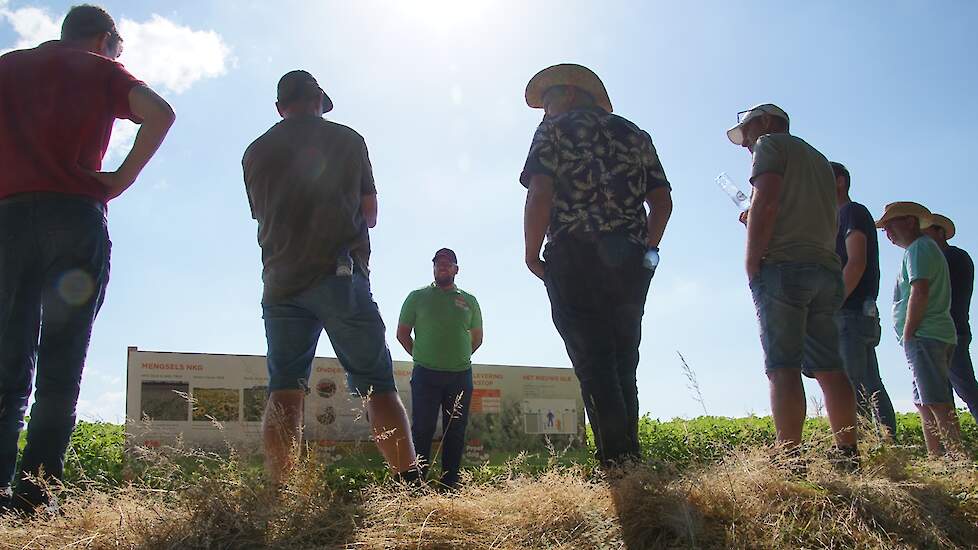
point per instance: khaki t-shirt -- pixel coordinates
(305, 178)
(806, 226)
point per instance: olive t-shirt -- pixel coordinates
(443, 321)
(305, 178)
(805, 228)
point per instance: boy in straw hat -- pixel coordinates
(922, 319)
(795, 275)
(589, 175)
(962, 273)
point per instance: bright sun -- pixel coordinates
(443, 14)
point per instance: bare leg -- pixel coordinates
(281, 431)
(392, 431)
(787, 405)
(947, 423)
(840, 402)
(932, 436)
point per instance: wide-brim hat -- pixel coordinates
(567, 74)
(736, 134)
(906, 208)
(945, 223)
(292, 85)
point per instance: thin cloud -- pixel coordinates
(169, 57)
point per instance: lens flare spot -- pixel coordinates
(76, 287)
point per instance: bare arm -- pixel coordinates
(916, 307)
(157, 117)
(856, 265)
(476, 338)
(536, 219)
(368, 207)
(660, 209)
(760, 220)
(404, 337)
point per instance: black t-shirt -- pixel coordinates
(962, 272)
(856, 217)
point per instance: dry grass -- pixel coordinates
(744, 502)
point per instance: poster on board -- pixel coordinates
(215, 400)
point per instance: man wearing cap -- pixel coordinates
(447, 325)
(311, 189)
(59, 102)
(961, 270)
(589, 176)
(922, 319)
(858, 320)
(795, 275)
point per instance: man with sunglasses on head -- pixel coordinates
(59, 102)
(311, 189)
(447, 325)
(795, 275)
(589, 176)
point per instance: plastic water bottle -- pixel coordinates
(651, 259)
(736, 195)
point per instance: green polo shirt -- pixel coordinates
(442, 321)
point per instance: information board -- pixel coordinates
(214, 400)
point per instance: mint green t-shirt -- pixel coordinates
(442, 321)
(923, 259)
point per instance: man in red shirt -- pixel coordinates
(58, 102)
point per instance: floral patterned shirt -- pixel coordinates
(603, 166)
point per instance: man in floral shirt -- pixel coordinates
(589, 175)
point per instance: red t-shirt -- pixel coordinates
(57, 107)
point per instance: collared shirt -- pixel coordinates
(443, 321)
(305, 178)
(603, 166)
(58, 103)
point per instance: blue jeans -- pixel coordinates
(796, 305)
(447, 393)
(859, 334)
(962, 374)
(597, 295)
(345, 308)
(54, 267)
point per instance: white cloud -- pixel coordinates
(168, 57)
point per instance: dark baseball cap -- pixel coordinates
(445, 253)
(292, 85)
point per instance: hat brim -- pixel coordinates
(736, 135)
(567, 75)
(327, 103)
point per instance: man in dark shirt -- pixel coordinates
(858, 320)
(311, 189)
(59, 101)
(962, 272)
(589, 175)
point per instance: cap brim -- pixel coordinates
(327, 103)
(736, 135)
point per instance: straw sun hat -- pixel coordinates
(567, 74)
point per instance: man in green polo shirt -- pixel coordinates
(447, 325)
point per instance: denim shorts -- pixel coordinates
(796, 304)
(930, 361)
(345, 308)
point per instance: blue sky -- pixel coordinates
(436, 89)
